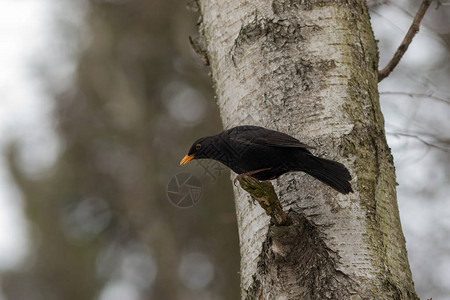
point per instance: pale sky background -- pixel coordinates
(24, 111)
(28, 52)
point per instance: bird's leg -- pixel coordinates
(249, 174)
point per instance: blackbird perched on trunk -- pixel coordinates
(266, 154)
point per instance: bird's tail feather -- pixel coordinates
(332, 173)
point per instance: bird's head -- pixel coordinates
(199, 149)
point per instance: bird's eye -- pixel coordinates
(198, 146)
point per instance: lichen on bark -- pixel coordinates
(264, 193)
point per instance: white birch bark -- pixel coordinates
(308, 68)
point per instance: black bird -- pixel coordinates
(266, 154)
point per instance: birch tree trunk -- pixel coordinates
(308, 68)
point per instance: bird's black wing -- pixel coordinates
(261, 136)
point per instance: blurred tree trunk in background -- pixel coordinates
(101, 223)
(308, 68)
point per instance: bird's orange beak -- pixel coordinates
(186, 159)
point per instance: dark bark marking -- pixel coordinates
(281, 7)
(293, 80)
(299, 249)
(277, 35)
(277, 41)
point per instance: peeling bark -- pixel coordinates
(309, 68)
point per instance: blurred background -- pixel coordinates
(99, 101)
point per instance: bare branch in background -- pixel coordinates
(439, 3)
(417, 95)
(430, 144)
(406, 41)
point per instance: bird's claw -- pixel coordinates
(251, 173)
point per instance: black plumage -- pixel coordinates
(266, 154)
